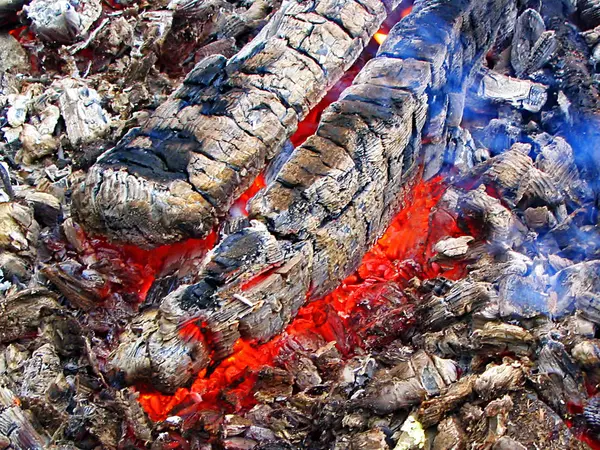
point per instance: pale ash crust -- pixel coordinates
(336, 194)
(173, 178)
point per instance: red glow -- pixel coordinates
(309, 125)
(23, 34)
(227, 388)
(239, 206)
(380, 37)
(257, 279)
(583, 433)
(137, 268)
(580, 430)
(343, 316)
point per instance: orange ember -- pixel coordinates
(239, 206)
(380, 37)
(309, 125)
(142, 266)
(228, 387)
(403, 252)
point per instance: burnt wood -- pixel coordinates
(173, 177)
(330, 201)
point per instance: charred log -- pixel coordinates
(335, 195)
(173, 177)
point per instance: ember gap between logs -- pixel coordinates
(321, 224)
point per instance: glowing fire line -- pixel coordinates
(229, 387)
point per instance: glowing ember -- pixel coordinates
(380, 37)
(239, 206)
(397, 257)
(142, 266)
(309, 125)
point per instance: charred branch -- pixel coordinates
(173, 177)
(335, 195)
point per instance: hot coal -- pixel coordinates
(471, 321)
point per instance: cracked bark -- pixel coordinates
(173, 177)
(333, 198)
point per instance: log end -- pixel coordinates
(133, 209)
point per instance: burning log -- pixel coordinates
(337, 193)
(173, 177)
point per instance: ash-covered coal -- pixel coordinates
(471, 322)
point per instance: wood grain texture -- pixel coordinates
(337, 193)
(173, 177)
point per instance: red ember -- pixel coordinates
(397, 257)
(341, 317)
(144, 265)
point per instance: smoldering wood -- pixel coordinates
(60, 386)
(19, 233)
(85, 288)
(502, 337)
(453, 247)
(502, 227)
(586, 353)
(19, 230)
(437, 312)
(85, 119)
(523, 424)
(514, 174)
(336, 192)
(498, 379)
(14, 58)
(450, 434)
(173, 177)
(432, 411)
(528, 29)
(524, 297)
(576, 287)
(557, 379)
(532, 44)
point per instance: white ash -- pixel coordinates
(62, 21)
(80, 107)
